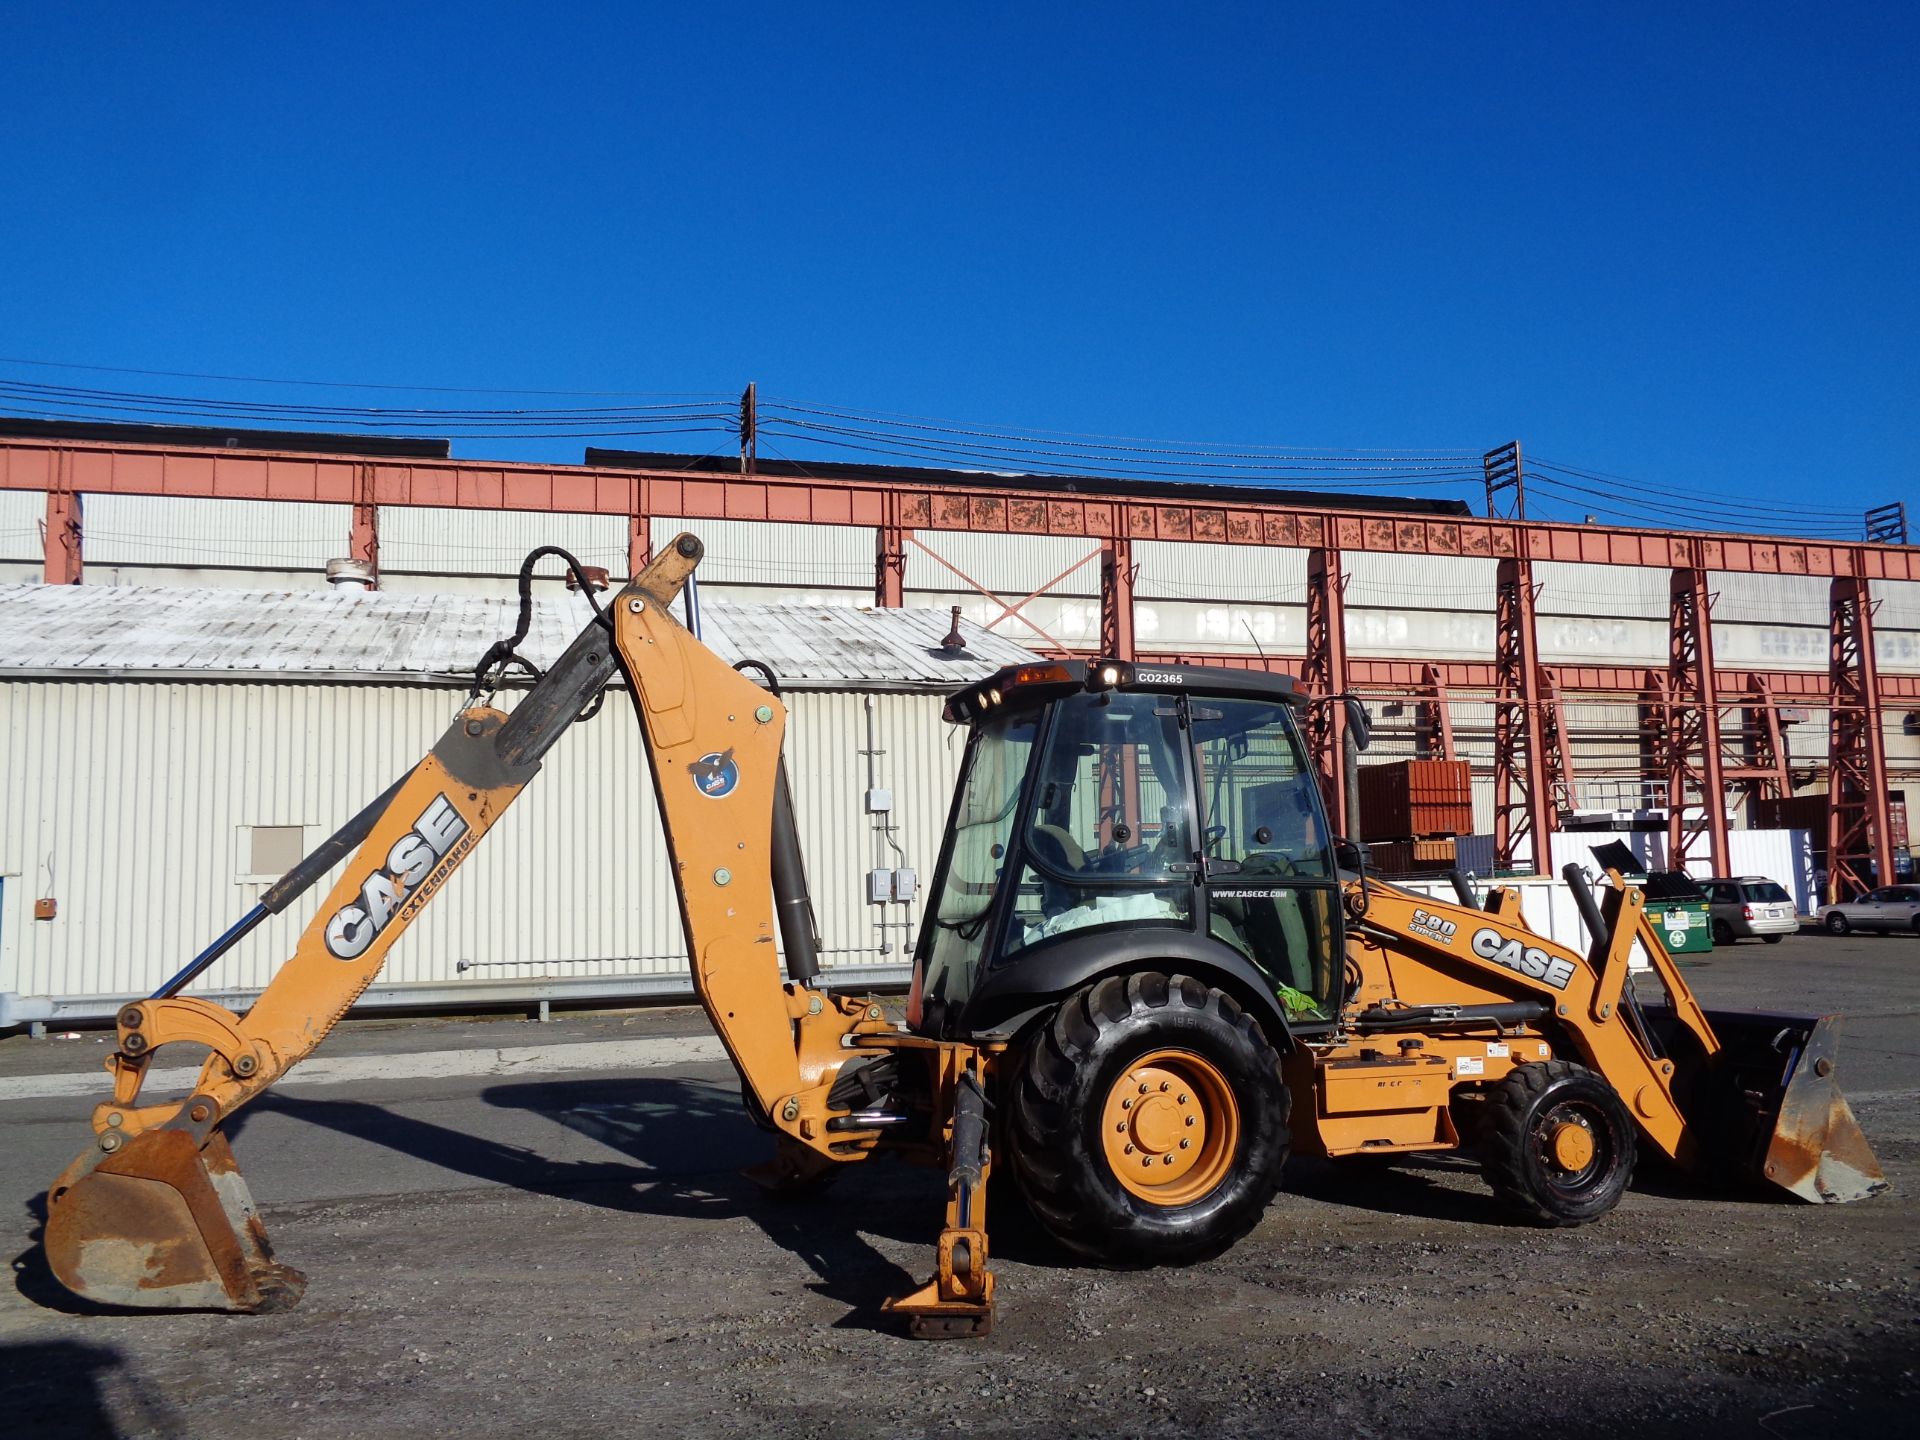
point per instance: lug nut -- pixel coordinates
(1127, 1104)
(1189, 1120)
(1166, 1085)
(1185, 1144)
(1143, 1087)
(1128, 1150)
(1121, 1127)
(1146, 1159)
(1183, 1099)
(1166, 1159)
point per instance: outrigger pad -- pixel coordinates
(165, 1223)
(1808, 1142)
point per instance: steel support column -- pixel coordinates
(363, 539)
(62, 544)
(1117, 573)
(890, 557)
(1325, 674)
(1691, 745)
(1523, 815)
(639, 528)
(1859, 838)
(1433, 717)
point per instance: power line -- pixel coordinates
(365, 385)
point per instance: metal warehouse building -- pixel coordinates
(1589, 673)
(167, 754)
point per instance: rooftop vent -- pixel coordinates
(351, 575)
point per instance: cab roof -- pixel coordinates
(1051, 679)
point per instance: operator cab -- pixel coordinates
(1110, 815)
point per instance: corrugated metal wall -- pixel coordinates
(492, 542)
(170, 530)
(22, 512)
(127, 802)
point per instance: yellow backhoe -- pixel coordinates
(1147, 972)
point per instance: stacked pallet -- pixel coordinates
(1411, 811)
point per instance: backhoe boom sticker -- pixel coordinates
(715, 774)
(413, 872)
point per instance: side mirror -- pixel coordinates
(1359, 723)
(1346, 855)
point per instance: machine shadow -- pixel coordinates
(66, 1389)
(685, 1143)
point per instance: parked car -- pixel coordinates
(1892, 907)
(1749, 905)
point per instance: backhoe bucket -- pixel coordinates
(1784, 1121)
(164, 1223)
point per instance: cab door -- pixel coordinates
(1266, 854)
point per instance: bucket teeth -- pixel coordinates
(165, 1223)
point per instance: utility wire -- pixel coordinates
(364, 385)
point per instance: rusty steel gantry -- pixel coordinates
(1530, 760)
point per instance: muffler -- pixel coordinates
(163, 1221)
(1778, 1115)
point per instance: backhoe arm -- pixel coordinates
(156, 1215)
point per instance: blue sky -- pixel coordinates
(1675, 243)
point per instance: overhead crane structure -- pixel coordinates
(1687, 701)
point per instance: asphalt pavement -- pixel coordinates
(510, 1225)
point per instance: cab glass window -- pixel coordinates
(1109, 840)
(1258, 800)
(982, 834)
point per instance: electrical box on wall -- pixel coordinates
(46, 909)
(890, 887)
(879, 802)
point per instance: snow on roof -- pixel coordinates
(142, 632)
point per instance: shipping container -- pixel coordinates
(1809, 813)
(1414, 799)
(1413, 857)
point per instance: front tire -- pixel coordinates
(1837, 924)
(1159, 1072)
(1559, 1146)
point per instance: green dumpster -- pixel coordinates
(1685, 926)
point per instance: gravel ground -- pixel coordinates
(1388, 1302)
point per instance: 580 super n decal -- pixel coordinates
(409, 874)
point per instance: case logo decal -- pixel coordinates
(413, 871)
(714, 774)
(1528, 960)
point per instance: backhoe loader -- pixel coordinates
(1147, 972)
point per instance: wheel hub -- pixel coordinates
(1571, 1145)
(1170, 1127)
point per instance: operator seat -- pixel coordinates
(1056, 849)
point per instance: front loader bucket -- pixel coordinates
(164, 1223)
(1784, 1121)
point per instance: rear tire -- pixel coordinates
(1210, 1080)
(1773, 939)
(1558, 1145)
(1722, 933)
(1837, 924)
